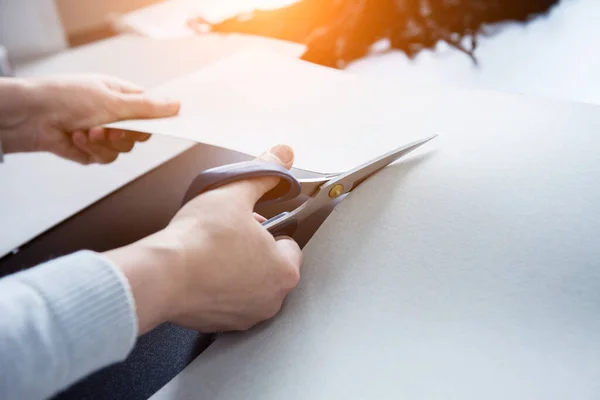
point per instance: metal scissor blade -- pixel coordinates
(311, 185)
(351, 179)
(324, 188)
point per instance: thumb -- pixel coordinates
(252, 190)
(141, 106)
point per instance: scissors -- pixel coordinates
(321, 190)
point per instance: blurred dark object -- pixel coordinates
(337, 32)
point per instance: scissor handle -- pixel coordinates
(285, 227)
(288, 187)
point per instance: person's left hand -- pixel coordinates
(63, 116)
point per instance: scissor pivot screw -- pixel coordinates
(336, 191)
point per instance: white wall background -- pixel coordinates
(30, 28)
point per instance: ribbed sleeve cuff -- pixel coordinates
(93, 307)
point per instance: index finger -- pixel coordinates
(141, 106)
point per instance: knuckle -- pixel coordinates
(290, 278)
(222, 228)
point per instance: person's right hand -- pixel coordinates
(214, 267)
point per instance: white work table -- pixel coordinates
(554, 56)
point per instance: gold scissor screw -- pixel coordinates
(336, 191)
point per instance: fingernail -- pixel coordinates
(284, 153)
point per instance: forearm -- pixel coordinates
(152, 270)
(61, 321)
(17, 105)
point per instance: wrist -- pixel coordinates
(17, 109)
(150, 268)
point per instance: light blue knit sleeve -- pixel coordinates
(60, 321)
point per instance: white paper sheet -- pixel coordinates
(467, 271)
(39, 191)
(335, 121)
